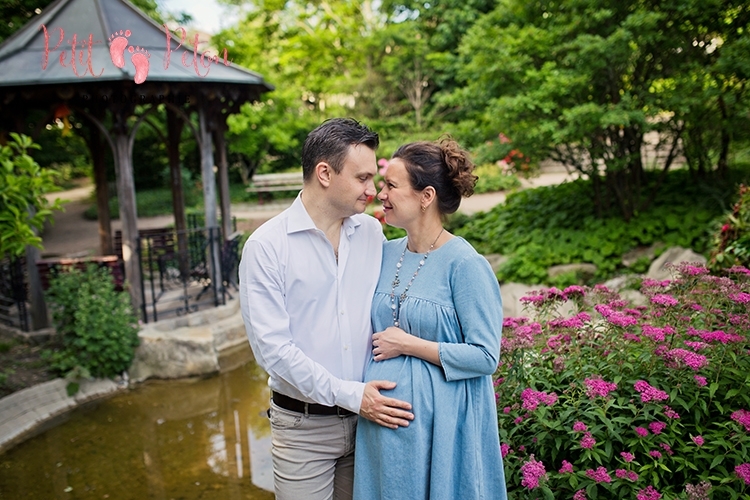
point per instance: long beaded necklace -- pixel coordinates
(396, 309)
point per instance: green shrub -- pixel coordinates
(98, 328)
(613, 401)
(732, 241)
(552, 225)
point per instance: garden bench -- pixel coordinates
(268, 183)
(47, 268)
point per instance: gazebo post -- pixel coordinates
(128, 212)
(209, 196)
(175, 125)
(225, 201)
(96, 147)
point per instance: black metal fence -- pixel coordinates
(13, 293)
(178, 274)
(176, 266)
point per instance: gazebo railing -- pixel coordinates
(178, 277)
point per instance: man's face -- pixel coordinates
(351, 188)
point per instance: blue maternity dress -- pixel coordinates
(451, 450)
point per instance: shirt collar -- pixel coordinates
(300, 220)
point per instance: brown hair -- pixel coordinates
(444, 165)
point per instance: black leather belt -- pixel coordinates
(291, 404)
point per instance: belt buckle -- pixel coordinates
(339, 411)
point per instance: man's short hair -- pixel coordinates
(330, 143)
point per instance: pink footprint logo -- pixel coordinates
(117, 43)
(140, 61)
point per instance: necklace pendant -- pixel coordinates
(395, 283)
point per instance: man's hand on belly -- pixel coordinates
(388, 412)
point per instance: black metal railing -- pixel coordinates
(178, 274)
(14, 293)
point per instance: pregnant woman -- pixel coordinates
(438, 313)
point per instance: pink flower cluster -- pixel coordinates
(648, 494)
(700, 380)
(742, 417)
(720, 336)
(598, 387)
(664, 300)
(698, 440)
(655, 453)
(588, 441)
(641, 431)
(579, 426)
(649, 393)
(670, 413)
(695, 345)
(505, 449)
(657, 334)
(600, 475)
(652, 283)
(628, 457)
(740, 298)
(626, 474)
(657, 427)
(532, 471)
(580, 495)
(691, 359)
(566, 468)
(743, 470)
(576, 321)
(532, 399)
(615, 317)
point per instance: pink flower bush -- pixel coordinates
(663, 381)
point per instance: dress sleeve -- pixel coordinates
(263, 306)
(479, 307)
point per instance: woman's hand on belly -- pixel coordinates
(389, 343)
(393, 342)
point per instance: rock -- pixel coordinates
(634, 297)
(511, 294)
(617, 283)
(674, 255)
(496, 260)
(637, 253)
(586, 270)
(188, 346)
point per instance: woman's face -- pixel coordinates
(401, 203)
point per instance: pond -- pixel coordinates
(188, 439)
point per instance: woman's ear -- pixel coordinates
(427, 197)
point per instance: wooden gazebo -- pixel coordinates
(109, 64)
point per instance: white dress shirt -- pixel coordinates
(308, 317)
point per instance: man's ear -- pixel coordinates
(324, 172)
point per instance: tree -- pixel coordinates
(23, 205)
(584, 82)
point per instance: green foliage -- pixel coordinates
(732, 241)
(492, 178)
(546, 226)
(23, 205)
(97, 325)
(614, 400)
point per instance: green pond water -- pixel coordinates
(189, 439)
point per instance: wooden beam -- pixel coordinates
(225, 201)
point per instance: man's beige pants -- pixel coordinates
(313, 455)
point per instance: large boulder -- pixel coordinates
(659, 269)
(188, 346)
(511, 294)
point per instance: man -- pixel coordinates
(307, 278)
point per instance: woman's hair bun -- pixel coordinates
(460, 166)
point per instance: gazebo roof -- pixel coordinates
(22, 55)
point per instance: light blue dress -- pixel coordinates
(451, 450)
